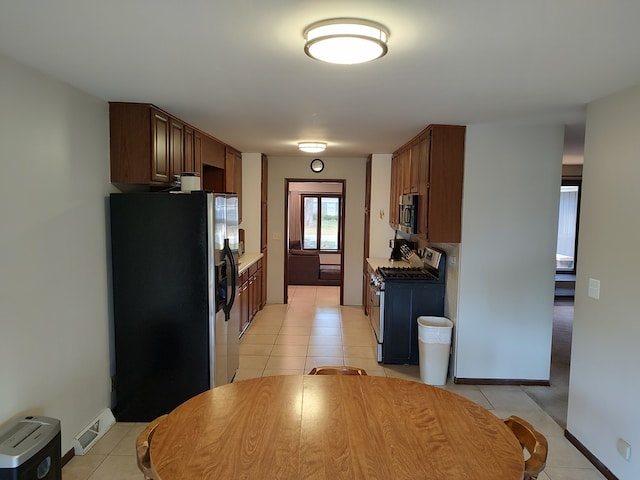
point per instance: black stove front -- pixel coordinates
(405, 294)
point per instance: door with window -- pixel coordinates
(321, 223)
(568, 215)
(314, 225)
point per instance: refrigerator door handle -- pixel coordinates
(234, 279)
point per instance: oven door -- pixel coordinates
(376, 317)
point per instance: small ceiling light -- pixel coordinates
(312, 147)
(346, 40)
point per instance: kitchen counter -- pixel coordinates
(374, 263)
(246, 260)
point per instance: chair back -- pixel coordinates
(143, 445)
(534, 442)
(337, 370)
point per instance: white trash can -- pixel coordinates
(434, 345)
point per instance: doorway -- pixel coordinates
(314, 226)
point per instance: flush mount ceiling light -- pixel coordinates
(312, 147)
(346, 40)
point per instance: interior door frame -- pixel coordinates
(287, 182)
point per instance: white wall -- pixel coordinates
(54, 337)
(251, 191)
(350, 169)
(507, 255)
(380, 232)
(604, 382)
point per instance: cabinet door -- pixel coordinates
(424, 149)
(238, 182)
(394, 195)
(197, 153)
(176, 147)
(160, 158)
(446, 172)
(189, 150)
(263, 286)
(257, 287)
(405, 165)
(233, 176)
(244, 304)
(414, 178)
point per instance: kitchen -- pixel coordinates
(58, 248)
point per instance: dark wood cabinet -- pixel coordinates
(160, 161)
(150, 147)
(146, 145)
(188, 164)
(414, 162)
(233, 176)
(176, 147)
(395, 192)
(250, 293)
(243, 298)
(436, 165)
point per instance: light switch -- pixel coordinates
(624, 449)
(594, 288)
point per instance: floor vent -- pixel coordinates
(92, 433)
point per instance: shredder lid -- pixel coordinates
(25, 437)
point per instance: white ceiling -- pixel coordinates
(236, 68)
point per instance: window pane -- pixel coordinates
(567, 220)
(310, 226)
(329, 223)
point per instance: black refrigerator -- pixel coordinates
(176, 324)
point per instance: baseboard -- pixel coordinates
(590, 456)
(66, 458)
(500, 381)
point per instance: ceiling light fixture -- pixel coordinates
(346, 40)
(312, 147)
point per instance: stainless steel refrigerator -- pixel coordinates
(176, 323)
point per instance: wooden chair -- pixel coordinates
(143, 444)
(535, 444)
(339, 370)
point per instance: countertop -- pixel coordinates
(246, 260)
(374, 263)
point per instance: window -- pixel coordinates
(567, 227)
(320, 222)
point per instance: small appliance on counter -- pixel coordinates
(396, 245)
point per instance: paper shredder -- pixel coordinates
(30, 449)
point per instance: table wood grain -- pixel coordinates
(333, 427)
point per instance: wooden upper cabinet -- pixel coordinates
(424, 147)
(213, 152)
(176, 147)
(395, 191)
(414, 176)
(189, 164)
(436, 175)
(233, 176)
(197, 152)
(149, 146)
(445, 183)
(160, 161)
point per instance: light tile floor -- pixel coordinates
(313, 330)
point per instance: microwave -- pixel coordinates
(408, 216)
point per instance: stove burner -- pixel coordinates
(406, 273)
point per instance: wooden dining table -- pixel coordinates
(333, 427)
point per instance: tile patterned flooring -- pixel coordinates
(313, 330)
